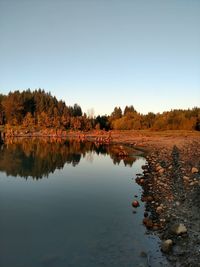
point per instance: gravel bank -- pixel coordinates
(171, 191)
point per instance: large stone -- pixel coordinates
(166, 245)
(179, 229)
(194, 170)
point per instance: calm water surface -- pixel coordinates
(69, 204)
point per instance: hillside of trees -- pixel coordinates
(39, 109)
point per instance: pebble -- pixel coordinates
(148, 222)
(159, 209)
(186, 178)
(162, 220)
(161, 171)
(141, 181)
(179, 229)
(150, 198)
(166, 245)
(194, 170)
(135, 204)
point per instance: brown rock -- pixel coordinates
(161, 171)
(149, 198)
(158, 168)
(135, 204)
(159, 209)
(194, 170)
(141, 181)
(148, 223)
(186, 178)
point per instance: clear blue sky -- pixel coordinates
(103, 53)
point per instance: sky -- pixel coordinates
(103, 53)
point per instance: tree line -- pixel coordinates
(39, 109)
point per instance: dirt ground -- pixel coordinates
(149, 139)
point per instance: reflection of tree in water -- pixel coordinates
(127, 160)
(39, 157)
(90, 156)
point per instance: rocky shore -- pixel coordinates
(171, 192)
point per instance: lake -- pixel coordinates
(68, 203)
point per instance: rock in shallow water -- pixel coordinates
(135, 204)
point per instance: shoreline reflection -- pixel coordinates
(38, 157)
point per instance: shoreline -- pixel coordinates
(171, 192)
